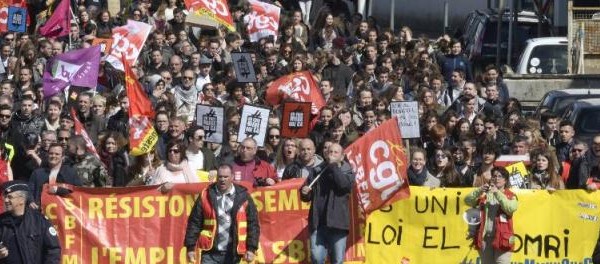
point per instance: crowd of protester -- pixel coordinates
(467, 119)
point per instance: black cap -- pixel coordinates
(13, 186)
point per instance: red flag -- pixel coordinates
(80, 130)
(59, 23)
(379, 162)
(298, 86)
(217, 10)
(262, 21)
(128, 41)
(142, 136)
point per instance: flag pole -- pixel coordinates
(70, 19)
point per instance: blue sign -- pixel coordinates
(17, 19)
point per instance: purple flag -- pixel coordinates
(78, 67)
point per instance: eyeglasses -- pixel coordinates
(441, 156)
(175, 151)
(167, 78)
(273, 136)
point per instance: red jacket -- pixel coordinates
(256, 171)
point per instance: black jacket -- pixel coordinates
(36, 239)
(196, 219)
(332, 194)
(119, 122)
(41, 176)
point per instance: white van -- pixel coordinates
(544, 56)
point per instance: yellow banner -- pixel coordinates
(561, 227)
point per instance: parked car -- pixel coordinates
(584, 114)
(478, 35)
(544, 56)
(557, 101)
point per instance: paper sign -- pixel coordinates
(105, 44)
(17, 19)
(408, 118)
(254, 124)
(211, 118)
(244, 69)
(296, 119)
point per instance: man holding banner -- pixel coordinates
(329, 215)
(223, 222)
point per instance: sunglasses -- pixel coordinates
(63, 138)
(5, 116)
(273, 136)
(176, 151)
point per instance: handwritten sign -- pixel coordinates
(408, 118)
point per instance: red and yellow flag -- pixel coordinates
(142, 136)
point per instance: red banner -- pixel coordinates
(379, 162)
(128, 39)
(217, 10)
(141, 225)
(263, 20)
(299, 87)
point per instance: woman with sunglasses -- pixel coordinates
(175, 169)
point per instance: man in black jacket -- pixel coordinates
(329, 216)
(26, 235)
(54, 173)
(223, 222)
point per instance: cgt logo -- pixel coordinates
(65, 71)
(383, 174)
(217, 7)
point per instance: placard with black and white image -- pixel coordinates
(212, 119)
(254, 123)
(244, 69)
(408, 118)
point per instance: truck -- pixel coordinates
(582, 55)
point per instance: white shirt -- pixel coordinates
(195, 160)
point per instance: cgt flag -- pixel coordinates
(299, 87)
(80, 131)
(262, 21)
(78, 67)
(142, 136)
(129, 40)
(379, 162)
(216, 10)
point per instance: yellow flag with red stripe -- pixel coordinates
(142, 136)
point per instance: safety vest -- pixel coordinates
(209, 225)
(503, 228)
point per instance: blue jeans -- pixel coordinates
(328, 240)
